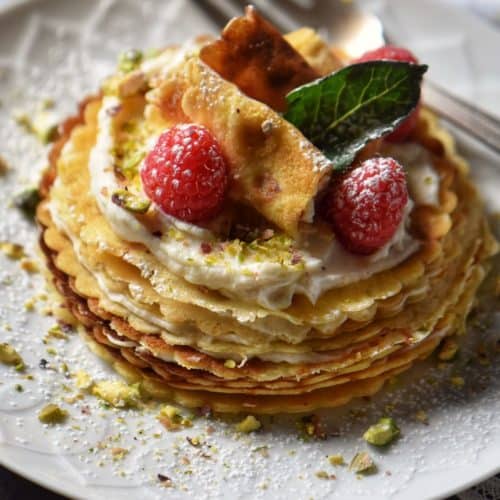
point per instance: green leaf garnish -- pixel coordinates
(342, 112)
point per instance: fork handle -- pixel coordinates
(477, 122)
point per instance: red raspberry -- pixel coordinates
(185, 174)
(366, 205)
(392, 53)
(388, 53)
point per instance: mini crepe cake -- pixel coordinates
(229, 239)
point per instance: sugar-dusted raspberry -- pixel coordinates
(392, 53)
(367, 204)
(186, 174)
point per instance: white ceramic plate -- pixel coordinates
(61, 49)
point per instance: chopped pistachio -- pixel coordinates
(118, 453)
(230, 363)
(4, 167)
(129, 60)
(47, 103)
(9, 356)
(336, 459)
(19, 388)
(52, 414)
(448, 351)
(264, 485)
(321, 474)
(457, 381)
(382, 433)
(56, 332)
(22, 119)
(172, 418)
(29, 265)
(83, 380)
(29, 305)
(51, 351)
(421, 416)
(117, 393)
(131, 202)
(195, 441)
(483, 360)
(27, 201)
(130, 163)
(311, 426)
(44, 126)
(12, 250)
(248, 424)
(362, 463)
(262, 450)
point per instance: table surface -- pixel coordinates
(15, 487)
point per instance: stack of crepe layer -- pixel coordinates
(177, 338)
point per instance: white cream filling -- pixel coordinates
(423, 180)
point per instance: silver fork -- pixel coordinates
(356, 31)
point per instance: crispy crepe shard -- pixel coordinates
(256, 57)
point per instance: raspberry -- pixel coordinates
(392, 53)
(186, 174)
(366, 205)
(388, 53)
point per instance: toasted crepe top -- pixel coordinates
(253, 54)
(273, 167)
